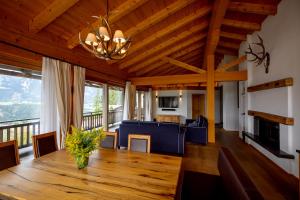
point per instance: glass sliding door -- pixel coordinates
(115, 106)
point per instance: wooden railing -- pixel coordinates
(94, 120)
(91, 120)
(20, 130)
(23, 130)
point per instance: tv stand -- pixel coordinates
(168, 118)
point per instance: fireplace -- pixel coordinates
(267, 132)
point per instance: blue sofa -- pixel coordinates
(196, 130)
(165, 137)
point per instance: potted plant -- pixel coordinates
(80, 143)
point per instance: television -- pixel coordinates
(168, 102)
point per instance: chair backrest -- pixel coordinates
(9, 154)
(110, 141)
(44, 144)
(139, 142)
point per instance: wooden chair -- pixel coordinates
(9, 154)
(139, 142)
(110, 140)
(44, 144)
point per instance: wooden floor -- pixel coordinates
(269, 179)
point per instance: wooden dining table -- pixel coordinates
(111, 174)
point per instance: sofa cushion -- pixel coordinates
(193, 124)
(236, 182)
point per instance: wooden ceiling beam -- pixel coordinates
(252, 26)
(225, 51)
(157, 17)
(230, 45)
(255, 8)
(231, 64)
(123, 9)
(49, 14)
(183, 65)
(176, 55)
(189, 78)
(217, 18)
(234, 36)
(172, 41)
(172, 27)
(182, 45)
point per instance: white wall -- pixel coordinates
(230, 106)
(185, 105)
(281, 35)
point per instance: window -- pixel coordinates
(20, 101)
(115, 106)
(92, 109)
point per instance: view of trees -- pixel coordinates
(20, 98)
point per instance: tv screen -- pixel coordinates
(168, 102)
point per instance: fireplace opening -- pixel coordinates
(267, 132)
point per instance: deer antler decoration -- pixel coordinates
(260, 57)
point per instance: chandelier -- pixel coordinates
(102, 43)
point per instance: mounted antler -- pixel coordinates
(261, 57)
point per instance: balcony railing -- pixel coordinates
(23, 130)
(20, 130)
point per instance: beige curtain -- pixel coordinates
(129, 101)
(148, 105)
(78, 95)
(48, 116)
(63, 82)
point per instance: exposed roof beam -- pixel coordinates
(178, 54)
(49, 14)
(231, 64)
(189, 78)
(218, 13)
(147, 62)
(235, 36)
(157, 17)
(255, 8)
(122, 10)
(225, 51)
(242, 24)
(230, 45)
(171, 41)
(183, 65)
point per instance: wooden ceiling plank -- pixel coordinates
(235, 36)
(46, 16)
(189, 78)
(170, 42)
(188, 42)
(183, 65)
(255, 8)
(252, 26)
(231, 64)
(217, 18)
(157, 17)
(172, 27)
(54, 50)
(116, 14)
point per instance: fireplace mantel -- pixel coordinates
(271, 117)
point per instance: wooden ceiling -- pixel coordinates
(163, 31)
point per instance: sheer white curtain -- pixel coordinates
(126, 110)
(148, 105)
(48, 116)
(78, 95)
(63, 83)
